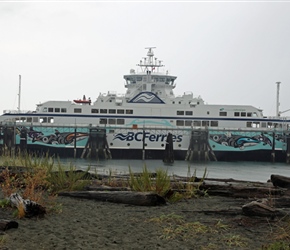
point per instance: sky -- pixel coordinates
(227, 52)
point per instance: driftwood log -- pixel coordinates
(261, 208)
(280, 181)
(125, 197)
(7, 224)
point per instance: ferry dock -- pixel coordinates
(203, 144)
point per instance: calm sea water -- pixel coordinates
(249, 171)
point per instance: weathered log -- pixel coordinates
(107, 188)
(7, 224)
(241, 189)
(126, 197)
(280, 181)
(262, 209)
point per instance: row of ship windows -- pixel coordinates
(130, 111)
(93, 111)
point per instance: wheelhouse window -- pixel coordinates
(223, 113)
(57, 110)
(94, 111)
(237, 114)
(180, 112)
(243, 114)
(50, 109)
(63, 110)
(188, 113)
(44, 109)
(77, 110)
(249, 114)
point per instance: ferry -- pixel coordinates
(139, 123)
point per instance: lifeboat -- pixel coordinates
(83, 101)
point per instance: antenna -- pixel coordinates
(19, 93)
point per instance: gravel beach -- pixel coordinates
(189, 224)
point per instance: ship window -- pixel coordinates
(120, 111)
(35, 119)
(264, 125)
(120, 121)
(243, 114)
(112, 111)
(103, 111)
(179, 123)
(112, 121)
(197, 123)
(63, 110)
(237, 114)
(179, 102)
(45, 109)
(173, 102)
(179, 112)
(50, 120)
(43, 120)
(57, 110)
(207, 112)
(205, 123)
(249, 114)
(94, 111)
(256, 124)
(214, 124)
(103, 121)
(139, 79)
(223, 113)
(188, 112)
(187, 123)
(29, 119)
(50, 109)
(254, 114)
(77, 110)
(249, 124)
(161, 80)
(129, 111)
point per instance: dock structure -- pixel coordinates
(8, 134)
(169, 152)
(120, 142)
(97, 145)
(199, 148)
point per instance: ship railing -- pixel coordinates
(144, 127)
(17, 111)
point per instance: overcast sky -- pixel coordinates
(226, 52)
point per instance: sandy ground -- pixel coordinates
(190, 224)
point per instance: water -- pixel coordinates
(248, 171)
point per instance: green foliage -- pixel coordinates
(4, 203)
(66, 179)
(158, 183)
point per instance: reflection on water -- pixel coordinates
(249, 171)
